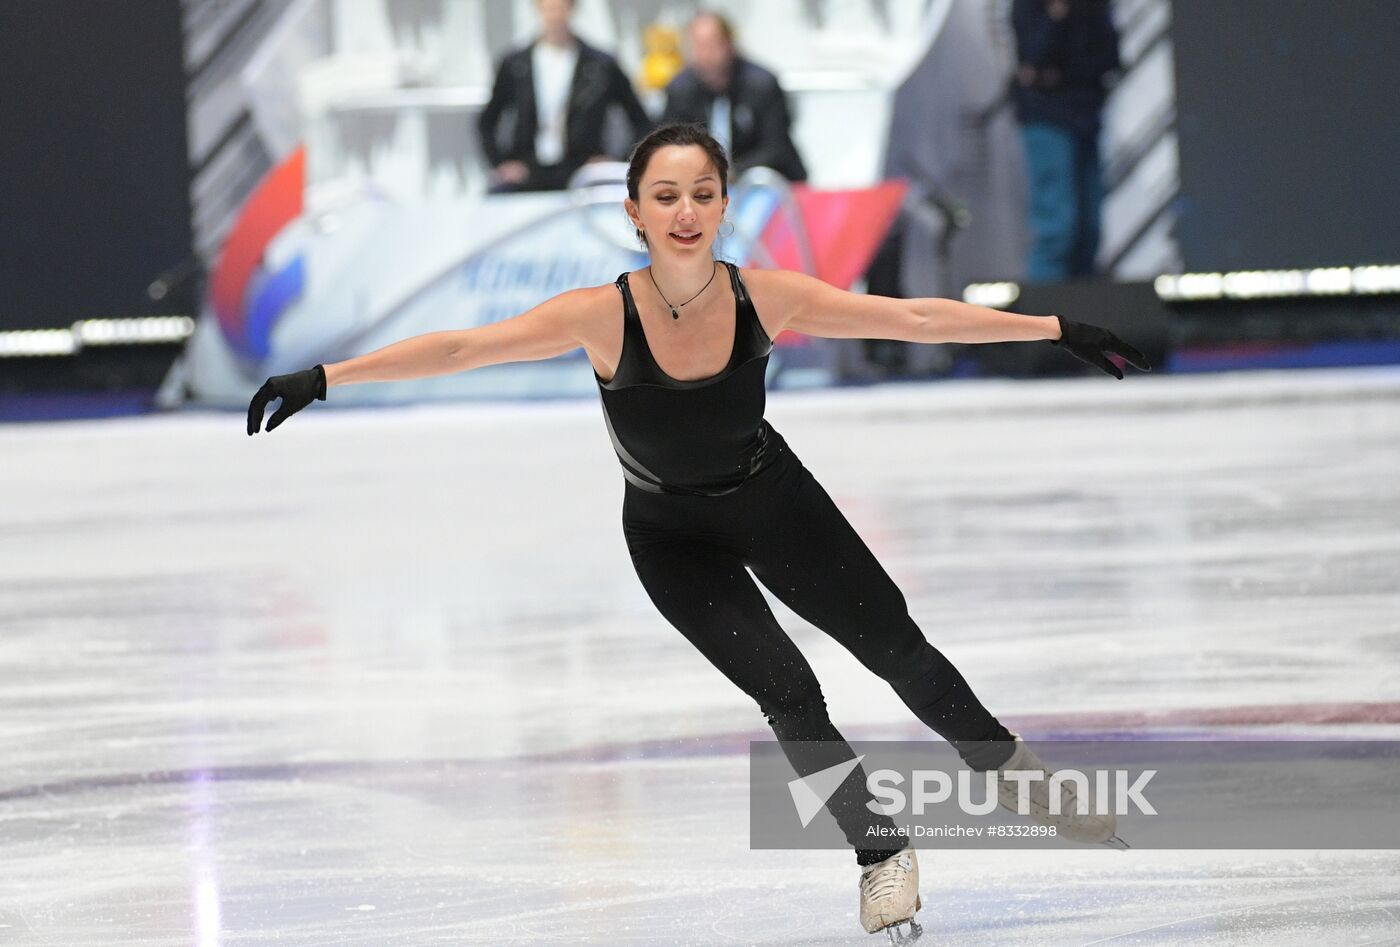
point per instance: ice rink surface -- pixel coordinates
(386, 677)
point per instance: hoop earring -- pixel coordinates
(731, 228)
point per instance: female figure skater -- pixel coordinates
(679, 350)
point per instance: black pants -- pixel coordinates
(690, 553)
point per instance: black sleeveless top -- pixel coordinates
(702, 437)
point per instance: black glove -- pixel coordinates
(296, 390)
(1089, 343)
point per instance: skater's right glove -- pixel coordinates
(1092, 343)
(296, 390)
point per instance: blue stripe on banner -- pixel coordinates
(268, 296)
(756, 207)
(71, 405)
(1320, 355)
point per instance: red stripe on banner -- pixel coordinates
(1250, 715)
(845, 228)
(274, 203)
(1381, 712)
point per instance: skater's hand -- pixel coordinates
(1092, 343)
(296, 390)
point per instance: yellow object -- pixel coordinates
(663, 56)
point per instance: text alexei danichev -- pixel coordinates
(930, 831)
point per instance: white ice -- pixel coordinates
(387, 677)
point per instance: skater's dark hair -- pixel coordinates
(676, 133)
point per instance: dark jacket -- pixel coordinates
(598, 84)
(1082, 48)
(758, 117)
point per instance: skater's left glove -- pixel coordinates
(1092, 343)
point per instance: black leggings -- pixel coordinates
(690, 553)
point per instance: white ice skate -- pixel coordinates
(889, 896)
(1070, 824)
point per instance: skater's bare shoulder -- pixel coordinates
(600, 326)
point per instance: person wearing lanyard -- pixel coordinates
(740, 102)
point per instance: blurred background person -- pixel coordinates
(559, 90)
(1064, 49)
(740, 102)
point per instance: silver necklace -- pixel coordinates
(674, 313)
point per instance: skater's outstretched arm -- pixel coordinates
(808, 305)
(547, 330)
(552, 328)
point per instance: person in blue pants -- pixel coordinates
(1064, 51)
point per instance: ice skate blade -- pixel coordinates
(1116, 842)
(900, 937)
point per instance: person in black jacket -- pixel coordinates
(557, 92)
(1064, 49)
(740, 102)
